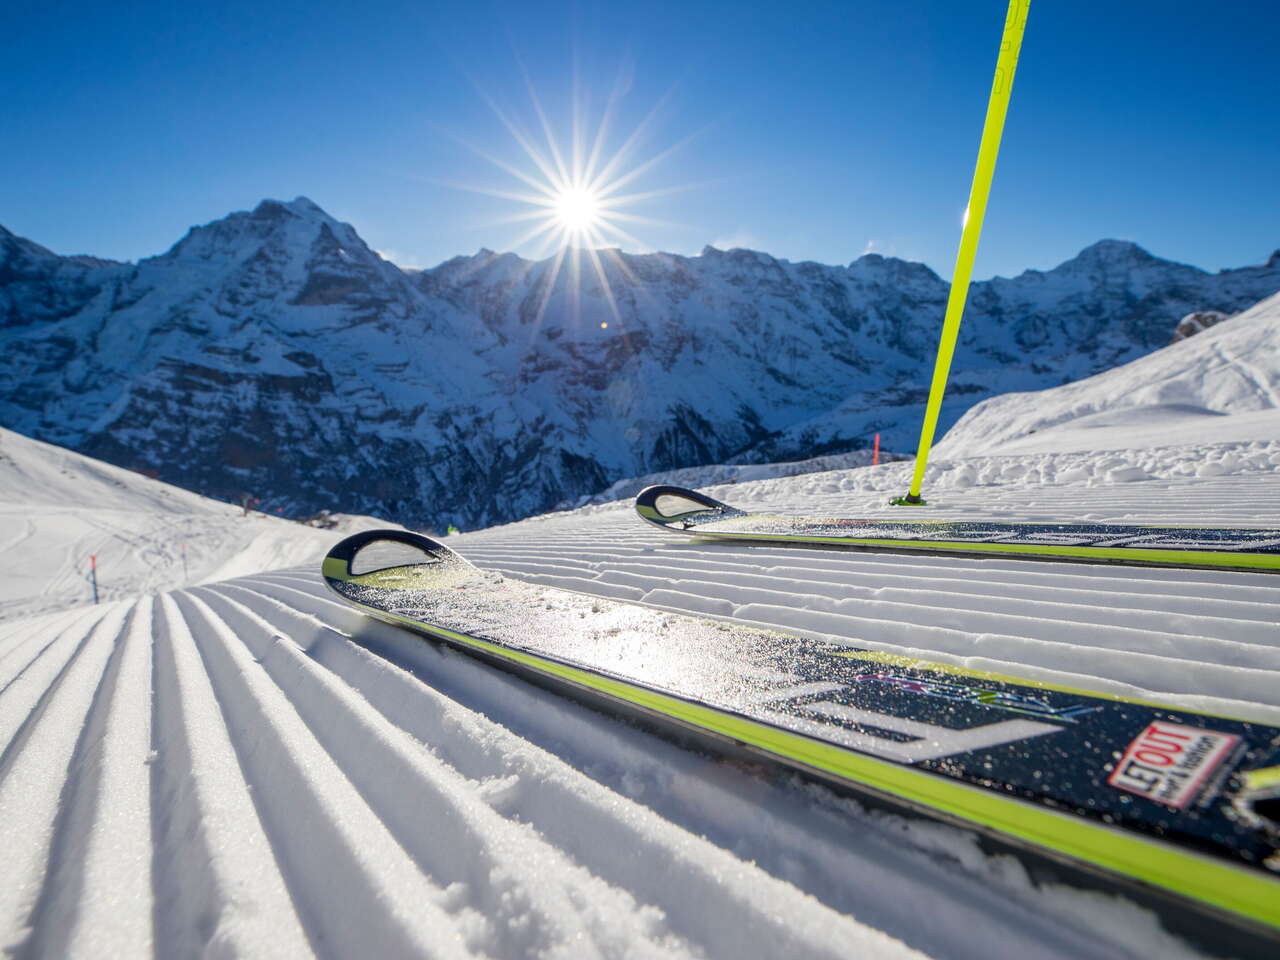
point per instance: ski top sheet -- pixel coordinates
(1177, 808)
(687, 511)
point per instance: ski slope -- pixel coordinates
(59, 508)
(1220, 385)
(249, 767)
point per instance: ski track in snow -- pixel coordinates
(251, 768)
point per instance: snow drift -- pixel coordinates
(1221, 385)
(58, 508)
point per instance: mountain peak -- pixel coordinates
(303, 207)
(303, 204)
(740, 256)
(10, 243)
(873, 265)
(1112, 251)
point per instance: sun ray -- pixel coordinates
(572, 194)
(539, 185)
(524, 140)
(534, 232)
(605, 285)
(616, 256)
(549, 284)
(606, 122)
(615, 215)
(618, 231)
(527, 198)
(642, 168)
(508, 219)
(622, 154)
(546, 129)
(627, 199)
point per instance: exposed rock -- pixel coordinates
(1194, 323)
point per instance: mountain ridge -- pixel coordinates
(274, 351)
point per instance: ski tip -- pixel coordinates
(679, 507)
(398, 559)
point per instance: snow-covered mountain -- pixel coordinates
(274, 352)
(1222, 385)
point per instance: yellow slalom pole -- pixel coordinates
(1014, 25)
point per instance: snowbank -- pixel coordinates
(1190, 392)
(58, 508)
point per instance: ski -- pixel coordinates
(1179, 810)
(687, 511)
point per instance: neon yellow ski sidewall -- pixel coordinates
(1188, 558)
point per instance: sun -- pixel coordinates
(576, 194)
(578, 210)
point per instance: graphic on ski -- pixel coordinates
(1175, 807)
(687, 511)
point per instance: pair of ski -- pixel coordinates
(1178, 810)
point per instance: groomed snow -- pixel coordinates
(251, 768)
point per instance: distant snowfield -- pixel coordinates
(1158, 425)
(1219, 385)
(58, 508)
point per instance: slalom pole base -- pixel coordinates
(910, 500)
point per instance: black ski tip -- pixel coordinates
(680, 507)
(344, 551)
(388, 558)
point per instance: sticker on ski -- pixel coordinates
(1169, 762)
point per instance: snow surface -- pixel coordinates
(58, 508)
(720, 473)
(1221, 384)
(251, 768)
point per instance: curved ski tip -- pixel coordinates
(376, 551)
(666, 505)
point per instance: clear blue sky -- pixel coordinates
(814, 130)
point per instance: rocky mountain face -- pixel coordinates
(273, 352)
(1197, 322)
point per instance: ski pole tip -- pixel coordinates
(910, 500)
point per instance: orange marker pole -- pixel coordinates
(93, 574)
(875, 452)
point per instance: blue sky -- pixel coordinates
(810, 130)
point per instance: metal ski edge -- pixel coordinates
(1204, 881)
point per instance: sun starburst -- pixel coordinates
(575, 196)
(578, 210)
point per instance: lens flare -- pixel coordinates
(578, 210)
(575, 194)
